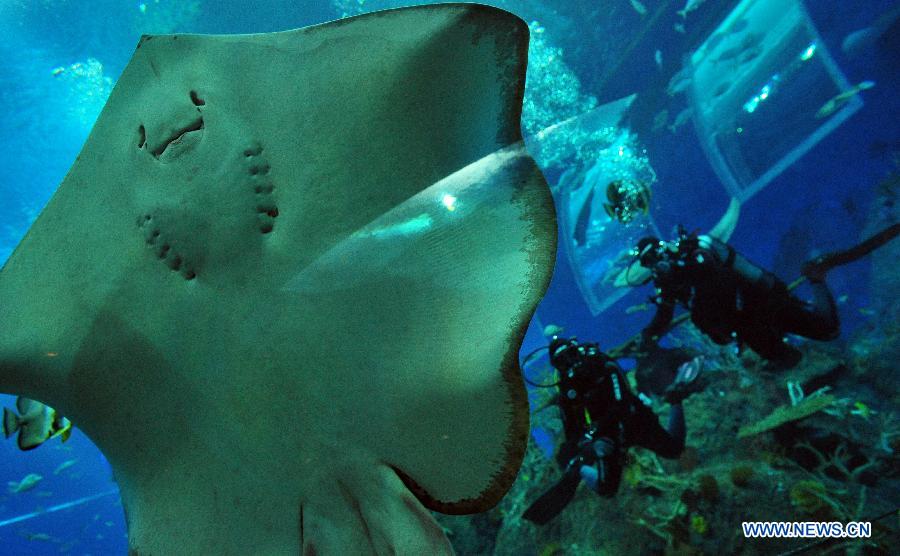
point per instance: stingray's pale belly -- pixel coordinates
(266, 368)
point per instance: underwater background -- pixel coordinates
(730, 102)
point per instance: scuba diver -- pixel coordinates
(732, 299)
(601, 419)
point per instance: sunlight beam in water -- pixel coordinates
(56, 508)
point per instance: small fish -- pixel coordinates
(56, 72)
(679, 28)
(659, 121)
(861, 410)
(748, 49)
(722, 89)
(728, 54)
(38, 537)
(680, 81)
(749, 55)
(714, 41)
(64, 465)
(43, 494)
(838, 101)
(681, 119)
(27, 483)
(690, 6)
(866, 312)
(552, 330)
(657, 57)
(635, 308)
(36, 423)
(843, 299)
(859, 41)
(638, 7)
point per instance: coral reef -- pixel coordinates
(821, 459)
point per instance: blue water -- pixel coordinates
(45, 116)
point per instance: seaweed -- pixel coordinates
(788, 413)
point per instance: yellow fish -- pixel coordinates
(838, 101)
(36, 423)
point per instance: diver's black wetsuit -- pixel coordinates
(601, 419)
(730, 298)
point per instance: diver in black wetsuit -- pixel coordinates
(732, 299)
(601, 419)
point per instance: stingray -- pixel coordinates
(284, 285)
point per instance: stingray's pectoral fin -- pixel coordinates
(259, 388)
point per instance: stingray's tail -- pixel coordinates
(824, 263)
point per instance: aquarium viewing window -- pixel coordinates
(597, 240)
(765, 91)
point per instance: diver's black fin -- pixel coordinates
(552, 502)
(828, 261)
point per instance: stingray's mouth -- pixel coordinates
(181, 141)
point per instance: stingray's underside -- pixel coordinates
(284, 285)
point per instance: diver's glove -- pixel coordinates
(688, 381)
(573, 454)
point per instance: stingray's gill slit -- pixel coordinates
(263, 188)
(196, 99)
(162, 248)
(142, 136)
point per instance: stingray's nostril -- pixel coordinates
(196, 99)
(142, 137)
